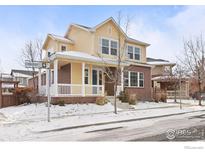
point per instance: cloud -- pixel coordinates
(167, 41)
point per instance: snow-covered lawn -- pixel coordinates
(33, 112)
(187, 101)
(20, 122)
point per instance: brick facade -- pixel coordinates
(145, 92)
(70, 100)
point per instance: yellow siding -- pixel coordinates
(82, 39)
(109, 31)
(76, 73)
(89, 42)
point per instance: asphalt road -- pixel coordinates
(188, 127)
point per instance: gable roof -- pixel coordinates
(92, 29)
(57, 38)
(149, 59)
(25, 72)
(153, 61)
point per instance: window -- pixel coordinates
(130, 52)
(137, 53)
(134, 79)
(86, 76)
(109, 47)
(52, 76)
(114, 48)
(100, 77)
(133, 52)
(141, 80)
(126, 78)
(105, 46)
(63, 48)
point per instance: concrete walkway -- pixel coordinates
(117, 121)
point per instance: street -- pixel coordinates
(191, 126)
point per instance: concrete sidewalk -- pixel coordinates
(117, 121)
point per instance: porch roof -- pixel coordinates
(168, 79)
(82, 56)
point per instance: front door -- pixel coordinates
(109, 84)
(96, 80)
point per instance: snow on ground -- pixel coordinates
(186, 101)
(38, 112)
(21, 122)
(149, 105)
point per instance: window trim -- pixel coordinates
(138, 80)
(109, 47)
(133, 52)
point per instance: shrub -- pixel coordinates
(123, 96)
(163, 97)
(24, 94)
(132, 99)
(160, 96)
(101, 101)
(59, 102)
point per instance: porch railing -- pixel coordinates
(76, 90)
(171, 93)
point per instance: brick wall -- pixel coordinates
(145, 92)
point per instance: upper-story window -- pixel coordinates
(63, 48)
(109, 47)
(133, 52)
(105, 46)
(113, 47)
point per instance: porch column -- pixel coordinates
(39, 81)
(122, 78)
(47, 81)
(55, 77)
(83, 79)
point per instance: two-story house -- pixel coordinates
(22, 76)
(79, 57)
(162, 78)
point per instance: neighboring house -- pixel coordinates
(162, 78)
(6, 83)
(79, 57)
(22, 76)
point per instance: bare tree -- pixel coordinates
(194, 61)
(114, 76)
(32, 52)
(179, 74)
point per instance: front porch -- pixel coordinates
(71, 78)
(169, 86)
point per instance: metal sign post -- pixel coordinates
(48, 93)
(41, 64)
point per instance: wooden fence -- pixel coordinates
(8, 99)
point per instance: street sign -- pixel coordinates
(34, 64)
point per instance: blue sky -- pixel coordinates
(164, 27)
